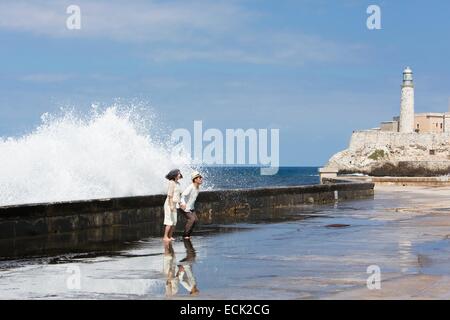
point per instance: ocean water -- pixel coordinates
(250, 177)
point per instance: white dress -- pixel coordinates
(172, 280)
(174, 190)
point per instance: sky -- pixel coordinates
(310, 68)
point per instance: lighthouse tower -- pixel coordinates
(407, 102)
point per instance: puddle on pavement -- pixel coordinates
(296, 256)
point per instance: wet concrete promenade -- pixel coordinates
(316, 252)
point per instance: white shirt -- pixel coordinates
(189, 196)
(186, 278)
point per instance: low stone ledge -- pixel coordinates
(442, 181)
(61, 217)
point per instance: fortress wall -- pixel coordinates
(374, 139)
(447, 122)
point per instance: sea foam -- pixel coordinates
(111, 152)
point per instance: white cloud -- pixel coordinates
(270, 48)
(177, 30)
(121, 20)
(41, 17)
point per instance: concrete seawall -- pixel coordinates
(31, 220)
(442, 181)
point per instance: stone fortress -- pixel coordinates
(413, 144)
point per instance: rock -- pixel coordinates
(380, 153)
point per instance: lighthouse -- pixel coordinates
(407, 102)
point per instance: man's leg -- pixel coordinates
(190, 251)
(172, 229)
(187, 217)
(191, 219)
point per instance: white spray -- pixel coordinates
(111, 153)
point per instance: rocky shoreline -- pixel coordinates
(394, 154)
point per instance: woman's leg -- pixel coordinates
(174, 220)
(166, 233)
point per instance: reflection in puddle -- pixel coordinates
(314, 253)
(405, 254)
(180, 273)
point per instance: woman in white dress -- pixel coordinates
(169, 269)
(172, 203)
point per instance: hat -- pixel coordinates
(173, 174)
(195, 175)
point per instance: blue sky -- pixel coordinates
(310, 68)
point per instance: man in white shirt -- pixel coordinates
(185, 273)
(187, 205)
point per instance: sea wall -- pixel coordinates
(212, 206)
(443, 181)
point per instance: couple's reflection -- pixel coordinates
(181, 272)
